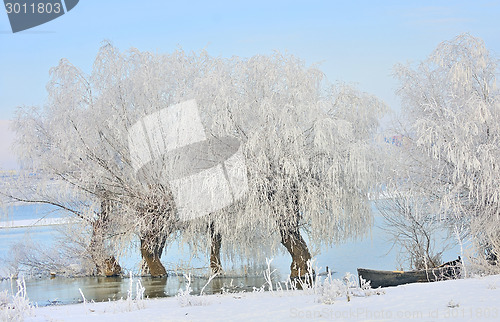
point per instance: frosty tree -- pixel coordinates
(307, 149)
(77, 146)
(452, 104)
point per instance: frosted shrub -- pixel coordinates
(15, 307)
(367, 289)
(327, 290)
(185, 298)
(308, 281)
(134, 301)
(332, 289)
(267, 275)
(137, 301)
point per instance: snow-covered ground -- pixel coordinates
(475, 299)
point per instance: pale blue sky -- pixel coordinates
(354, 41)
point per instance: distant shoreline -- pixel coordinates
(35, 222)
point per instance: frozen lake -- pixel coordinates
(371, 252)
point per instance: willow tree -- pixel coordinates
(77, 146)
(452, 159)
(308, 150)
(64, 160)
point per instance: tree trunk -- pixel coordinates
(292, 239)
(215, 262)
(297, 247)
(111, 267)
(159, 222)
(151, 250)
(106, 264)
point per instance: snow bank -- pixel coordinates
(457, 300)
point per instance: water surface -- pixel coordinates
(371, 252)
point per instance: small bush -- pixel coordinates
(15, 307)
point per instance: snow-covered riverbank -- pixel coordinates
(475, 299)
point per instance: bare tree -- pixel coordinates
(421, 237)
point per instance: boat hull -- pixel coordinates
(394, 278)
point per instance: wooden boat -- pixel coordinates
(450, 270)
